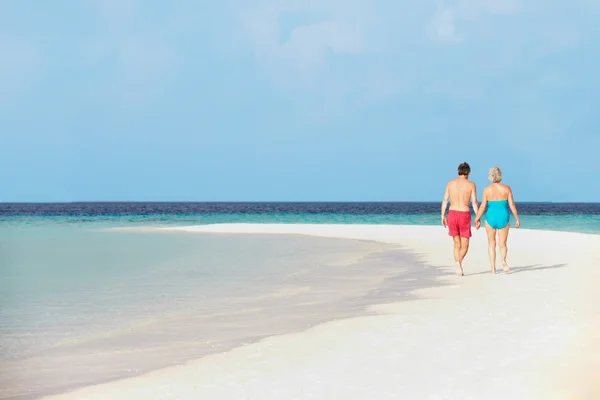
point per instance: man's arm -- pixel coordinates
(445, 205)
(482, 208)
(474, 199)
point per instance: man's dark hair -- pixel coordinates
(464, 169)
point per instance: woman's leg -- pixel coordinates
(502, 239)
(491, 234)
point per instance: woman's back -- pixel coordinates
(497, 191)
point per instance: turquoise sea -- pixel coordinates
(572, 217)
(584, 223)
(82, 304)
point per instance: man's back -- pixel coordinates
(460, 191)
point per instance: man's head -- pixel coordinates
(464, 169)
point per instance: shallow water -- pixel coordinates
(81, 306)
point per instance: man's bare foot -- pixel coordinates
(493, 271)
(505, 267)
(459, 270)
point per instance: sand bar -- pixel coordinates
(533, 334)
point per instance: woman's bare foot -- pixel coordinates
(505, 267)
(493, 271)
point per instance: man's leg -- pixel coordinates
(456, 248)
(457, 252)
(465, 236)
(464, 247)
(454, 231)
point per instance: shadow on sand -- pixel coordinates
(516, 270)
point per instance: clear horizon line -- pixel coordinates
(267, 202)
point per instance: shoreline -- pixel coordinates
(539, 309)
(576, 222)
(344, 278)
(369, 231)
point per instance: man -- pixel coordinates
(460, 192)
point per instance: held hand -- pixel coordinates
(477, 224)
(444, 222)
(517, 223)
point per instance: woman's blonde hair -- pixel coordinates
(495, 175)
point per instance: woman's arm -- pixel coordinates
(513, 207)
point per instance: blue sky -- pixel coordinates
(288, 100)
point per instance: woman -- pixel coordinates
(497, 197)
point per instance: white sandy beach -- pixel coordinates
(533, 334)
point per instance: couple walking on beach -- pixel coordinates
(497, 198)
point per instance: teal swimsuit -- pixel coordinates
(497, 215)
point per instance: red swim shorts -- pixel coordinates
(459, 223)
